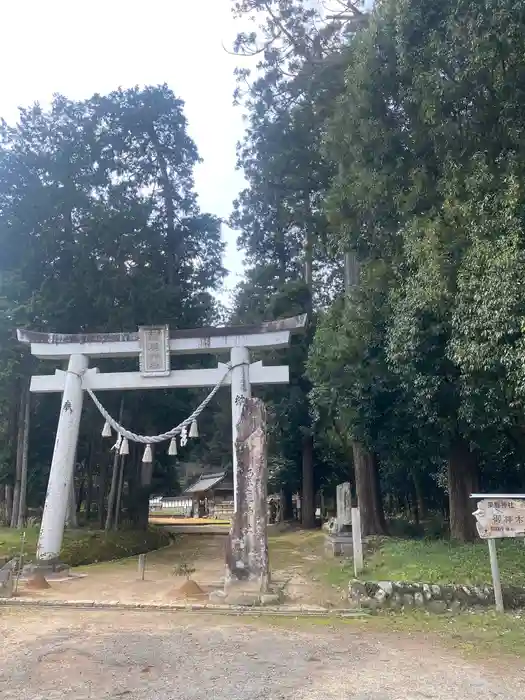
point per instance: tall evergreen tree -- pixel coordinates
(101, 231)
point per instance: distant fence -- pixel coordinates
(177, 505)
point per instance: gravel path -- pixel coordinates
(52, 654)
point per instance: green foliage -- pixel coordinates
(103, 188)
(98, 547)
(429, 187)
(184, 568)
(81, 547)
(437, 561)
(288, 94)
(397, 138)
(446, 562)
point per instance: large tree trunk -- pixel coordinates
(118, 504)
(463, 479)
(71, 514)
(8, 503)
(143, 494)
(308, 260)
(89, 478)
(81, 492)
(133, 475)
(351, 271)
(169, 195)
(420, 496)
(110, 517)
(22, 506)
(3, 507)
(114, 477)
(19, 459)
(286, 509)
(308, 492)
(102, 483)
(368, 493)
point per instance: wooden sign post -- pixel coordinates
(499, 516)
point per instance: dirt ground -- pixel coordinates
(119, 581)
(50, 654)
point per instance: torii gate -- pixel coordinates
(153, 345)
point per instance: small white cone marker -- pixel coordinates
(147, 457)
(172, 449)
(124, 448)
(106, 430)
(194, 431)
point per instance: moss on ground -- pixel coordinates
(82, 547)
(436, 561)
(480, 635)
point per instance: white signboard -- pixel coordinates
(500, 517)
(154, 351)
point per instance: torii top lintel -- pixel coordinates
(59, 346)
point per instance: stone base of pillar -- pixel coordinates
(37, 581)
(247, 593)
(339, 544)
(47, 568)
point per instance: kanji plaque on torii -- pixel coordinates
(154, 357)
(500, 517)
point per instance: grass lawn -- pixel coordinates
(437, 561)
(87, 546)
(294, 547)
(414, 560)
(10, 541)
(480, 634)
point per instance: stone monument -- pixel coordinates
(344, 507)
(339, 539)
(247, 580)
(247, 550)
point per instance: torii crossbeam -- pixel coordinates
(154, 346)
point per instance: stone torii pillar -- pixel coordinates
(63, 462)
(241, 390)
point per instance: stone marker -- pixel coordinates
(142, 566)
(247, 562)
(339, 540)
(344, 506)
(357, 542)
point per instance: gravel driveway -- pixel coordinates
(52, 654)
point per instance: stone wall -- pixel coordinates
(437, 598)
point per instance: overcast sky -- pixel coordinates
(78, 47)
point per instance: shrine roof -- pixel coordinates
(206, 482)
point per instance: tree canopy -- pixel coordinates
(100, 230)
(412, 154)
(384, 197)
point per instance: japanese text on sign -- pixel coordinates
(154, 350)
(500, 518)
